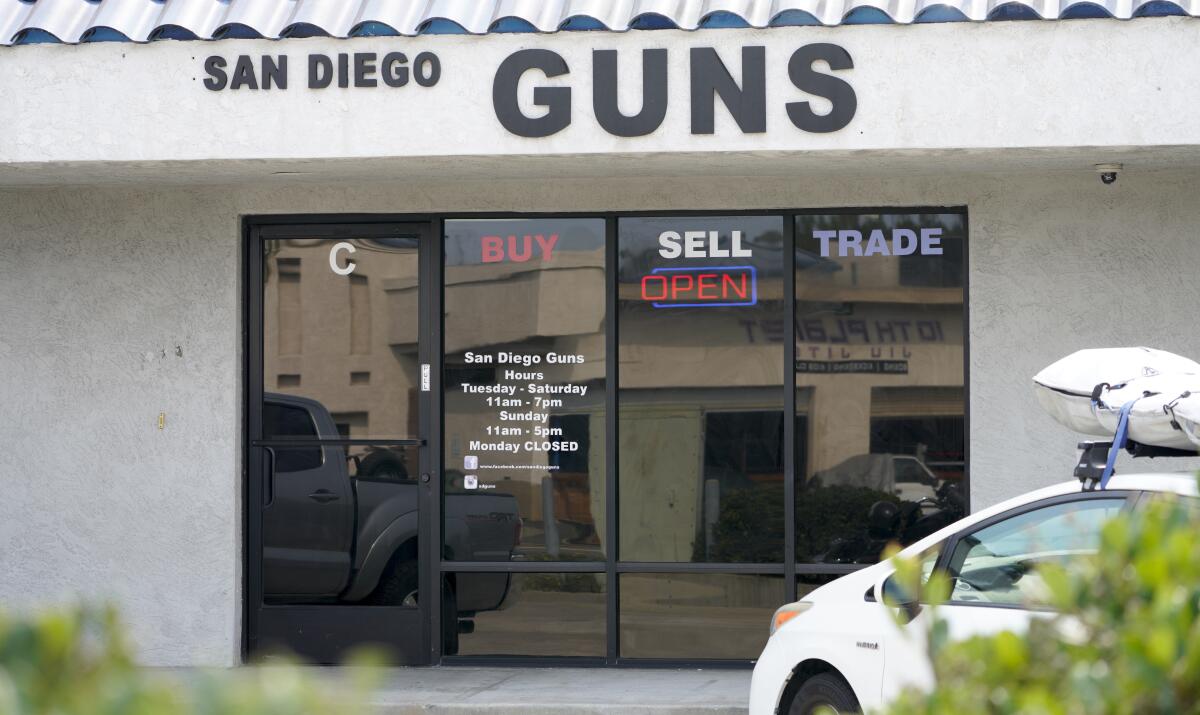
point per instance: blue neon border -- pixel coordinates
(753, 286)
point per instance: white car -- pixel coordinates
(841, 647)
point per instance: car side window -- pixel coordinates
(287, 422)
(1190, 504)
(998, 564)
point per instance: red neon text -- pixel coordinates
(700, 287)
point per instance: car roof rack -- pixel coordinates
(1092, 463)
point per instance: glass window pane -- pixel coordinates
(524, 383)
(541, 614)
(340, 328)
(880, 404)
(998, 564)
(697, 616)
(701, 371)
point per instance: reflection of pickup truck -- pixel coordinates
(335, 534)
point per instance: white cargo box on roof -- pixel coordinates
(1186, 412)
(1151, 420)
(1065, 389)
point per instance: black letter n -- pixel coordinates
(747, 104)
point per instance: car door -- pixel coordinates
(992, 568)
(308, 515)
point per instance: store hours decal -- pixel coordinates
(520, 402)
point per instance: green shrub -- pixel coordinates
(77, 662)
(1126, 638)
(749, 527)
(827, 513)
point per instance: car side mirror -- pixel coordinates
(896, 596)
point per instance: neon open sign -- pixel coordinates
(701, 287)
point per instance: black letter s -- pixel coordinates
(217, 79)
(556, 99)
(836, 90)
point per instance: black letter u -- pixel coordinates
(654, 93)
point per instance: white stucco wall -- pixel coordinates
(102, 288)
(947, 91)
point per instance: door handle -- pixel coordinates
(323, 496)
(269, 478)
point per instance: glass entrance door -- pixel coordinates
(339, 487)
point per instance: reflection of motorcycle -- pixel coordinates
(904, 523)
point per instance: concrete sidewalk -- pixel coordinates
(563, 691)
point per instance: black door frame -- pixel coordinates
(432, 566)
(331, 630)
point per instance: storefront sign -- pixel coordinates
(520, 405)
(810, 70)
(709, 79)
(701, 287)
(902, 242)
(701, 244)
(360, 69)
(518, 249)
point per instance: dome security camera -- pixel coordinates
(1108, 172)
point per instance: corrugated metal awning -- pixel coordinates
(71, 21)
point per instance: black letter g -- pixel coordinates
(557, 100)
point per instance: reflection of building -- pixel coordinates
(504, 315)
(349, 342)
(895, 323)
(879, 368)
